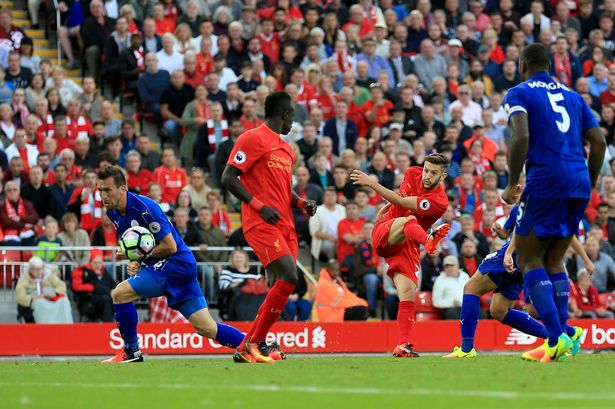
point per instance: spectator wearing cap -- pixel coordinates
(428, 65)
(94, 32)
(454, 54)
(471, 111)
(341, 130)
(41, 295)
(490, 67)
(92, 285)
(448, 288)
(401, 65)
(152, 83)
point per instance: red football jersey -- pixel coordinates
(344, 227)
(172, 181)
(266, 161)
(431, 203)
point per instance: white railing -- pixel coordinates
(56, 4)
(13, 261)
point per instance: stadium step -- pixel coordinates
(7, 4)
(41, 43)
(19, 14)
(46, 53)
(22, 23)
(35, 33)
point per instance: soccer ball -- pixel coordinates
(136, 243)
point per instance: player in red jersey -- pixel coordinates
(264, 161)
(401, 230)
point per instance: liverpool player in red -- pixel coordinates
(400, 232)
(259, 173)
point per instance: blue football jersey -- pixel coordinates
(143, 211)
(557, 118)
(509, 224)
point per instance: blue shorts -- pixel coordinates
(550, 218)
(508, 284)
(175, 279)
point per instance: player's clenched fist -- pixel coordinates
(269, 214)
(133, 268)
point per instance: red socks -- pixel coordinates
(271, 310)
(405, 321)
(414, 231)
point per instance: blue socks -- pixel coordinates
(525, 323)
(561, 292)
(126, 318)
(229, 336)
(540, 288)
(470, 312)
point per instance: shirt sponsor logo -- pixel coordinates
(240, 157)
(279, 162)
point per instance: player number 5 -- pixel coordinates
(564, 125)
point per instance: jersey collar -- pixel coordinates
(539, 75)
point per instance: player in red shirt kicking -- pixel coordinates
(264, 161)
(401, 230)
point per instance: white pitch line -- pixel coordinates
(334, 390)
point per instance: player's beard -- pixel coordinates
(432, 185)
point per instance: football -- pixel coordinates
(136, 243)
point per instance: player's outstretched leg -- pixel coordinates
(409, 228)
(196, 312)
(254, 348)
(406, 291)
(478, 285)
(126, 318)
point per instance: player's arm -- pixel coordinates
(597, 147)
(299, 203)
(509, 263)
(580, 250)
(360, 178)
(165, 247)
(519, 142)
(230, 181)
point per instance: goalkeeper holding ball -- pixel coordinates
(169, 269)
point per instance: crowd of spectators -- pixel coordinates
(376, 86)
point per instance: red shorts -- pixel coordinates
(402, 259)
(271, 242)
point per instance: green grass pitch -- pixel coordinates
(492, 381)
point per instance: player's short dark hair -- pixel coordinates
(603, 204)
(438, 159)
(115, 172)
(351, 202)
(362, 190)
(536, 57)
(276, 104)
(330, 189)
(500, 153)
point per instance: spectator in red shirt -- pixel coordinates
(349, 233)
(163, 24)
(468, 257)
(63, 139)
(139, 178)
(270, 41)
(586, 297)
(305, 91)
(169, 176)
(73, 172)
(377, 109)
(219, 217)
(357, 19)
(608, 96)
(192, 76)
(249, 120)
(78, 125)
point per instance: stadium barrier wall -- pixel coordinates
(311, 337)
